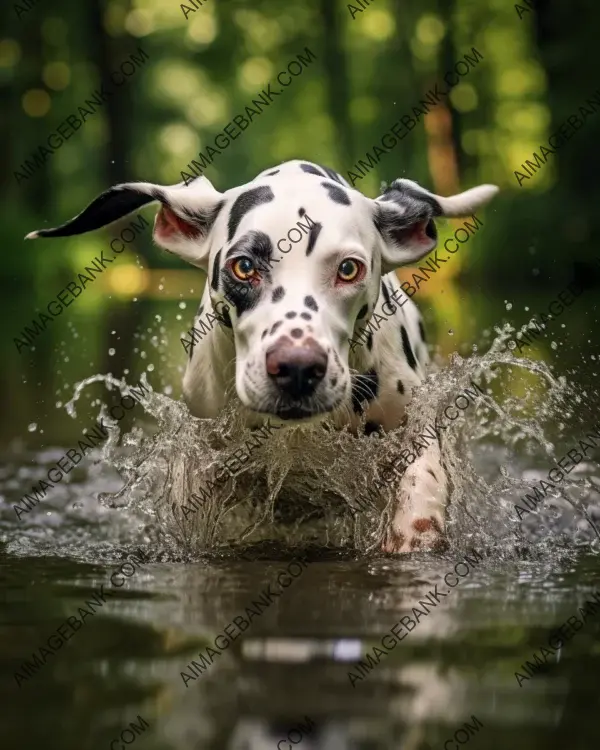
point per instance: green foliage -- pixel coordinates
(205, 65)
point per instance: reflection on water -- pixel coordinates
(293, 663)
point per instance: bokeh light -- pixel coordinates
(36, 102)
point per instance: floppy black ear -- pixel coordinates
(181, 225)
(112, 205)
(404, 217)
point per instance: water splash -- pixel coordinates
(297, 488)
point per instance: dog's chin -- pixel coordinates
(297, 412)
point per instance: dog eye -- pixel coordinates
(349, 270)
(243, 268)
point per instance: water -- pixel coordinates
(458, 662)
(290, 666)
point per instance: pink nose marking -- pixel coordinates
(297, 369)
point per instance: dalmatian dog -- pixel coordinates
(287, 315)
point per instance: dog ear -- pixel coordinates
(182, 223)
(404, 217)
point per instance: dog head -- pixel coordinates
(294, 260)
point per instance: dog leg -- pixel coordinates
(419, 520)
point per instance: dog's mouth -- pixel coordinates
(299, 410)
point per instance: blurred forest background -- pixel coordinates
(539, 66)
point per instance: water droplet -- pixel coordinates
(182, 305)
(158, 317)
(450, 332)
(32, 427)
(554, 345)
(526, 309)
(111, 352)
(160, 287)
(178, 317)
(509, 305)
(150, 368)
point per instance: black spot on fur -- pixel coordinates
(362, 312)
(400, 387)
(386, 293)
(291, 315)
(214, 282)
(244, 203)
(371, 427)
(270, 174)
(224, 318)
(296, 333)
(306, 316)
(264, 333)
(364, 388)
(311, 169)
(422, 331)
(333, 382)
(200, 310)
(432, 474)
(240, 295)
(405, 195)
(313, 235)
(408, 352)
(262, 249)
(278, 294)
(310, 302)
(370, 341)
(275, 326)
(334, 175)
(336, 193)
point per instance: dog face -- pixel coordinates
(294, 260)
(291, 275)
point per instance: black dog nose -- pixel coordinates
(297, 370)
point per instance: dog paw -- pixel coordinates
(393, 542)
(420, 535)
